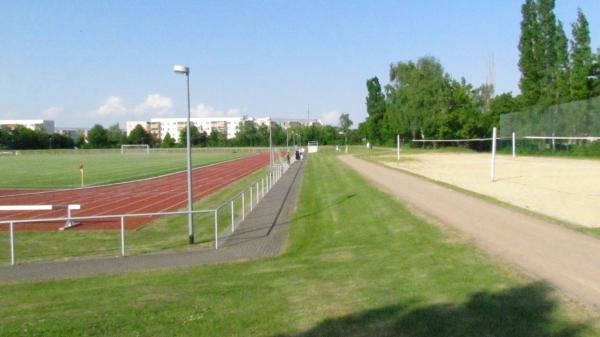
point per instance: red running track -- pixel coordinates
(159, 194)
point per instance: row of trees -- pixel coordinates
(423, 101)
(249, 134)
(22, 138)
(553, 69)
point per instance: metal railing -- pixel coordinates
(255, 192)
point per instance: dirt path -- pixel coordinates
(568, 260)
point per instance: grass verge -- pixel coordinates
(358, 264)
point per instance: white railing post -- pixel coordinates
(251, 199)
(243, 205)
(257, 193)
(263, 187)
(122, 235)
(494, 133)
(216, 229)
(232, 218)
(12, 243)
(398, 147)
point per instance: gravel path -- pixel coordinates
(568, 260)
(263, 234)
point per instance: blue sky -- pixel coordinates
(83, 62)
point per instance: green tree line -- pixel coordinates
(22, 138)
(249, 134)
(422, 101)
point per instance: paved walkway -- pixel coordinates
(263, 234)
(568, 260)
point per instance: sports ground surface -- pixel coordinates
(358, 263)
(165, 193)
(562, 188)
(60, 168)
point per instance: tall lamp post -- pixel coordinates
(270, 144)
(186, 71)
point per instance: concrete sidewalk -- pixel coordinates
(263, 234)
(566, 259)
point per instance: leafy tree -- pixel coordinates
(168, 141)
(216, 138)
(376, 107)
(529, 60)
(548, 52)
(139, 135)
(247, 134)
(418, 94)
(563, 66)
(595, 76)
(345, 122)
(58, 141)
(80, 141)
(5, 138)
(581, 58)
(197, 138)
(115, 136)
(97, 137)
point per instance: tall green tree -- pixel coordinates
(376, 106)
(418, 94)
(97, 137)
(345, 122)
(596, 75)
(115, 136)
(563, 71)
(139, 135)
(548, 53)
(247, 134)
(581, 58)
(168, 141)
(196, 137)
(529, 62)
(216, 139)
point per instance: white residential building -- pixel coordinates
(226, 125)
(130, 125)
(173, 126)
(286, 123)
(33, 124)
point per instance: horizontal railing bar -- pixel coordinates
(106, 216)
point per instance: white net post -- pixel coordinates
(494, 135)
(514, 145)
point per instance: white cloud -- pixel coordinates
(155, 105)
(111, 108)
(331, 118)
(52, 112)
(203, 110)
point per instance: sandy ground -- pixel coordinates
(566, 189)
(551, 253)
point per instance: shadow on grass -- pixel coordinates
(523, 311)
(323, 208)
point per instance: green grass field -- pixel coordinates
(358, 264)
(167, 233)
(60, 169)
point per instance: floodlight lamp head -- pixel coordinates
(181, 69)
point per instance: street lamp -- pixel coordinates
(186, 71)
(270, 144)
